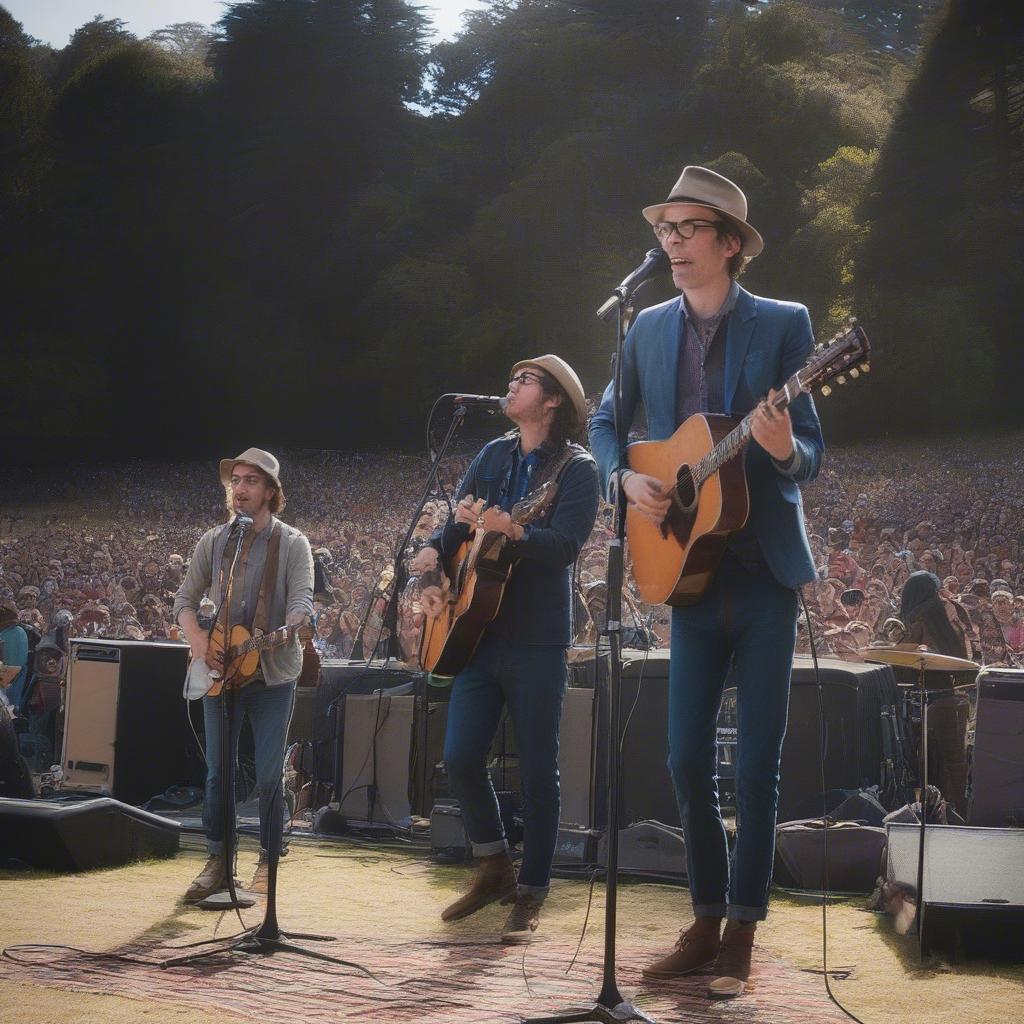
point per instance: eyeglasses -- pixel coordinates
(526, 377)
(686, 228)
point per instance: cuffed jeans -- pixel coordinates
(747, 619)
(530, 680)
(269, 709)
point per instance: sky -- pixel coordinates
(53, 21)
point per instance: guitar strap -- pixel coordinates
(269, 582)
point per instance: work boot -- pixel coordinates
(523, 920)
(695, 950)
(261, 877)
(495, 879)
(732, 965)
(211, 879)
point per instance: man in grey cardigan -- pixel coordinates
(273, 587)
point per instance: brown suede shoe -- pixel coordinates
(732, 965)
(211, 879)
(261, 877)
(495, 879)
(522, 921)
(696, 949)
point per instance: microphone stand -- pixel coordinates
(391, 612)
(267, 937)
(610, 1006)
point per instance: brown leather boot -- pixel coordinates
(732, 965)
(495, 879)
(211, 879)
(696, 949)
(522, 920)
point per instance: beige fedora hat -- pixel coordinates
(253, 457)
(703, 187)
(566, 377)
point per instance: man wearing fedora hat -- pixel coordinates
(520, 661)
(273, 587)
(719, 349)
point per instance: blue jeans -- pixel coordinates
(747, 619)
(530, 679)
(269, 709)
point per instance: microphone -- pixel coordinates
(655, 262)
(490, 403)
(241, 522)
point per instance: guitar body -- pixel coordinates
(673, 563)
(241, 668)
(480, 573)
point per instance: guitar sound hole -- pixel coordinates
(685, 494)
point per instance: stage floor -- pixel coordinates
(383, 905)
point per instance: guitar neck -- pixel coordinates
(736, 440)
(262, 643)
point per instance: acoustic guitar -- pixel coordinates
(674, 561)
(479, 572)
(241, 660)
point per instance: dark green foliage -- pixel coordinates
(315, 225)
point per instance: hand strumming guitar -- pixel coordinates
(646, 494)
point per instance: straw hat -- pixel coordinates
(567, 379)
(703, 187)
(253, 457)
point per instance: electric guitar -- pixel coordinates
(479, 572)
(675, 560)
(240, 657)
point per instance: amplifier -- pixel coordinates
(126, 734)
(997, 769)
(972, 877)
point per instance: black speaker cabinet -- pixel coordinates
(860, 707)
(81, 835)
(997, 768)
(126, 734)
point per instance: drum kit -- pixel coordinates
(913, 656)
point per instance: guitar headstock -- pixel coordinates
(533, 507)
(844, 355)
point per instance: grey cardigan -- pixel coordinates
(293, 592)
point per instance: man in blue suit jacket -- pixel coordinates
(719, 349)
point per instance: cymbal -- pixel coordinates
(913, 656)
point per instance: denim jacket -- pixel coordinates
(535, 606)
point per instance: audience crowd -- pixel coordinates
(101, 550)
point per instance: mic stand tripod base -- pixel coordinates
(222, 900)
(624, 1011)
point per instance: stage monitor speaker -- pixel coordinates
(997, 768)
(973, 883)
(83, 834)
(125, 729)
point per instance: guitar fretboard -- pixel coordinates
(735, 441)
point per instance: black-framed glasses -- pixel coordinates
(526, 377)
(686, 228)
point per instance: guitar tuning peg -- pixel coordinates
(854, 372)
(840, 379)
(826, 391)
(865, 367)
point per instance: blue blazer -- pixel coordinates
(766, 342)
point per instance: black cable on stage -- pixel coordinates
(824, 814)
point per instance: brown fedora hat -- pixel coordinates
(567, 379)
(253, 457)
(703, 187)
